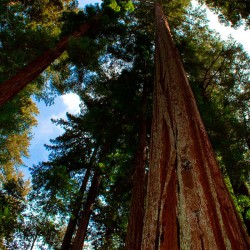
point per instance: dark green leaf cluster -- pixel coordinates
(72, 20)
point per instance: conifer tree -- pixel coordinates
(186, 192)
(188, 204)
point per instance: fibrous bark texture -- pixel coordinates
(188, 205)
(12, 86)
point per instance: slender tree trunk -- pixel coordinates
(188, 205)
(12, 86)
(34, 241)
(84, 221)
(134, 232)
(75, 213)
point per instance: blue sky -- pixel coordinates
(46, 130)
(70, 102)
(83, 2)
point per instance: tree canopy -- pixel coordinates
(88, 190)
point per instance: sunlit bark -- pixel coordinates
(188, 205)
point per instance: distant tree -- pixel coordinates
(12, 204)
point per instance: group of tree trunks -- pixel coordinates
(187, 204)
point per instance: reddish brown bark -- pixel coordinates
(12, 86)
(75, 214)
(135, 225)
(188, 205)
(84, 221)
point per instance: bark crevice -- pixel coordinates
(203, 211)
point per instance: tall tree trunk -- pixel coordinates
(135, 225)
(188, 205)
(12, 86)
(84, 221)
(75, 213)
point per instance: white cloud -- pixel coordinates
(46, 129)
(72, 103)
(68, 103)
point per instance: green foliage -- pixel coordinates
(244, 205)
(110, 217)
(114, 6)
(175, 10)
(73, 19)
(39, 230)
(52, 188)
(233, 12)
(16, 121)
(12, 197)
(119, 6)
(85, 52)
(108, 68)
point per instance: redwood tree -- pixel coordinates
(110, 13)
(81, 232)
(75, 212)
(15, 84)
(135, 225)
(188, 205)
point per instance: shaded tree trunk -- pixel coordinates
(75, 214)
(188, 205)
(15, 84)
(135, 225)
(34, 241)
(84, 221)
